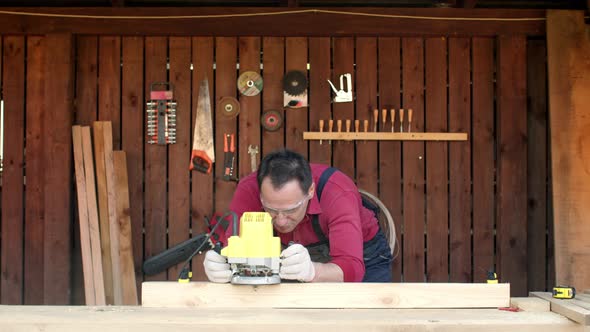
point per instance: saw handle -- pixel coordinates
(201, 162)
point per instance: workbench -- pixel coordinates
(201, 306)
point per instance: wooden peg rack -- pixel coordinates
(383, 136)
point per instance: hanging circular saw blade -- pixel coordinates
(271, 120)
(229, 106)
(295, 83)
(250, 83)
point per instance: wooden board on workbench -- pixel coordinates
(141, 319)
(567, 308)
(326, 295)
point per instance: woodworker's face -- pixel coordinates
(287, 205)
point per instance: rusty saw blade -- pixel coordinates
(203, 154)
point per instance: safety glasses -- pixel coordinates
(286, 212)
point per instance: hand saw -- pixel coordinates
(203, 154)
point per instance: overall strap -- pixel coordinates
(315, 222)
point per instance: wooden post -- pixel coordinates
(568, 48)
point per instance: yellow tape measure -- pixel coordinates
(564, 292)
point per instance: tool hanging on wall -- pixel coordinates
(342, 95)
(253, 151)
(203, 153)
(250, 83)
(271, 120)
(229, 106)
(295, 89)
(161, 115)
(229, 149)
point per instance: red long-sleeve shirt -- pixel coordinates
(343, 219)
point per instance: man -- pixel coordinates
(335, 237)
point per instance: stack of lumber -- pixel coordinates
(103, 211)
(576, 309)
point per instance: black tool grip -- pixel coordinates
(174, 255)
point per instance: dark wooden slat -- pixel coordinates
(367, 160)
(459, 160)
(437, 199)
(109, 84)
(319, 101)
(155, 160)
(413, 161)
(296, 119)
(34, 228)
(272, 99)
(86, 80)
(512, 225)
(202, 184)
(225, 85)
(132, 138)
(390, 191)
(57, 164)
(249, 118)
(179, 153)
(343, 62)
(537, 164)
(384, 22)
(483, 156)
(13, 73)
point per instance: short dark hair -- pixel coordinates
(283, 166)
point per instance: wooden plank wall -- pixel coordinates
(460, 208)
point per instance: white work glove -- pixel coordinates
(296, 264)
(216, 267)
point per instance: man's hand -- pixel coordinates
(216, 267)
(296, 264)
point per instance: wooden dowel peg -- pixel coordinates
(357, 124)
(339, 125)
(392, 113)
(401, 120)
(366, 125)
(384, 118)
(348, 125)
(330, 126)
(321, 128)
(410, 111)
(375, 119)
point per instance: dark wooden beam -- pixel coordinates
(247, 21)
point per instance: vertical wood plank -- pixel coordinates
(296, 118)
(132, 140)
(437, 199)
(272, 98)
(86, 80)
(13, 93)
(109, 84)
(249, 117)
(512, 166)
(57, 163)
(343, 62)
(93, 222)
(103, 209)
(83, 219)
(367, 160)
(225, 85)
(483, 156)
(127, 276)
(413, 161)
(179, 153)
(390, 172)
(537, 132)
(202, 184)
(319, 96)
(34, 211)
(155, 160)
(459, 160)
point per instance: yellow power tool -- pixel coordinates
(254, 254)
